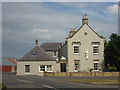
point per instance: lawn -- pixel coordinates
(93, 81)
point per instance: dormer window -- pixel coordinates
(34, 54)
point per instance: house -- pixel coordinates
(35, 62)
(52, 49)
(8, 65)
(83, 50)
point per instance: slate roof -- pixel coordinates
(51, 46)
(39, 55)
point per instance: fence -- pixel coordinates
(81, 74)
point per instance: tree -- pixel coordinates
(112, 52)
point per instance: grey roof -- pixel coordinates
(40, 55)
(51, 46)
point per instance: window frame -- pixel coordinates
(55, 53)
(33, 53)
(25, 69)
(51, 68)
(42, 68)
(77, 49)
(46, 70)
(96, 67)
(78, 65)
(95, 47)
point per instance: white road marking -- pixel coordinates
(49, 87)
(24, 81)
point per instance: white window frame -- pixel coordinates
(45, 68)
(78, 48)
(34, 54)
(77, 65)
(96, 45)
(55, 53)
(40, 68)
(96, 61)
(25, 70)
(51, 68)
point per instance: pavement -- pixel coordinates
(54, 83)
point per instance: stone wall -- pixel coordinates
(82, 74)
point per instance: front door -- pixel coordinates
(63, 67)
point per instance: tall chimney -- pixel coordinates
(36, 42)
(85, 19)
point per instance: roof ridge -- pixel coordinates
(40, 55)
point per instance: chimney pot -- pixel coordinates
(36, 42)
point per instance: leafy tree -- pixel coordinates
(112, 52)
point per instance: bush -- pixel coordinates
(111, 68)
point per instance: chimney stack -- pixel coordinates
(72, 32)
(36, 42)
(85, 19)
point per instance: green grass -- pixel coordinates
(93, 81)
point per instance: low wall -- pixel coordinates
(81, 73)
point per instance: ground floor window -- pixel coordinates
(96, 65)
(47, 68)
(76, 65)
(42, 68)
(27, 68)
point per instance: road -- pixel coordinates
(55, 83)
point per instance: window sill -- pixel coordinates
(95, 53)
(27, 73)
(45, 71)
(49, 71)
(96, 70)
(76, 53)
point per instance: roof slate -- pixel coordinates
(40, 55)
(51, 46)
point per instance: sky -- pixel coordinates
(24, 22)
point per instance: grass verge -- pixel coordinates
(93, 81)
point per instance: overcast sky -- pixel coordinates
(23, 23)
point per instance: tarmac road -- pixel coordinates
(55, 83)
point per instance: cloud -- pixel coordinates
(113, 9)
(23, 23)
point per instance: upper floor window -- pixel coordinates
(95, 49)
(76, 48)
(27, 68)
(55, 53)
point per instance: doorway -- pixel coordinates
(63, 67)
